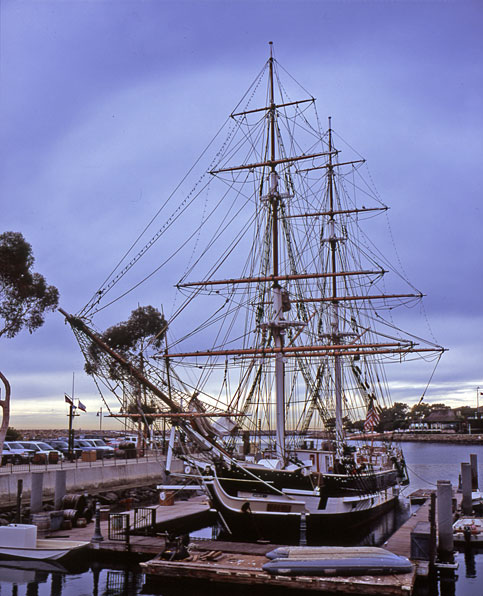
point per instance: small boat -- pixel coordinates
(468, 529)
(477, 501)
(316, 552)
(19, 541)
(335, 561)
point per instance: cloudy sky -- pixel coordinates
(105, 104)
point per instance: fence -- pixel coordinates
(38, 466)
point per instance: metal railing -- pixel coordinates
(118, 527)
(144, 520)
(131, 456)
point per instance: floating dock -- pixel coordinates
(241, 563)
(226, 562)
(217, 562)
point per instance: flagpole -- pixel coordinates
(71, 432)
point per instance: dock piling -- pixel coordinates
(18, 512)
(36, 492)
(466, 503)
(445, 516)
(60, 487)
(474, 470)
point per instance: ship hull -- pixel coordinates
(286, 519)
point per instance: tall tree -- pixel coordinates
(134, 339)
(25, 297)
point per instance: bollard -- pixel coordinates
(466, 503)
(60, 476)
(445, 516)
(474, 471)
(36, 492)
(98, 537)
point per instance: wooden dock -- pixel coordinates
(238, 563)
(400, 542)
(167, 517)
(244, 566)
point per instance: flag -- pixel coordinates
(372, 417)
(68, 400)
(81, 406)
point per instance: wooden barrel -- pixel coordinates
(42, 521)
(74, 501)
(71, 515)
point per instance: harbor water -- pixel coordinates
(427, 463)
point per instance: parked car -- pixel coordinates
(43, 452)
(101, 448)
(14, 453)
(63, 447)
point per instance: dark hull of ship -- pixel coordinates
(283, 528)
(237, 490)
(252, 478)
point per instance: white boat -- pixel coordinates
(468, 529)
(19, 541)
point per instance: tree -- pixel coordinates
(133, 339)
(25, 297)
(394, 417)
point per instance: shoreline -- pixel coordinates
(457, 439)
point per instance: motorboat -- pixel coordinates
(19, 541)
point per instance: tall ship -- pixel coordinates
(282, 331)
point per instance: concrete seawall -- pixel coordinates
(80, 478)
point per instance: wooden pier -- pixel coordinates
(244, 566)
(240, 563)
(139, 544)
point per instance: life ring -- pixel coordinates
(187, 469)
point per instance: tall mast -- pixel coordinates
(335, 332)
(277, 325)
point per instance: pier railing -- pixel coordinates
(131, 455)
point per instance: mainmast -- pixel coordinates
(334, 310)
(277, 323)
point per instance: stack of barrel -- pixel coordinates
(78, 510)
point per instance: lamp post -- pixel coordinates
(100, 418)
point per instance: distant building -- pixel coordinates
(443, 421)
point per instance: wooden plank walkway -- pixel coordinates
(240, 563)
(400, 542)
(246, 568)
(143, 545)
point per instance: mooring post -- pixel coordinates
(98, 537)
(60, 484)
(432, 529)
(445, 516)
(466, 503)
(18, 515)
(37, 481)
(474, 470)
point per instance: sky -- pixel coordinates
(104, 105)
